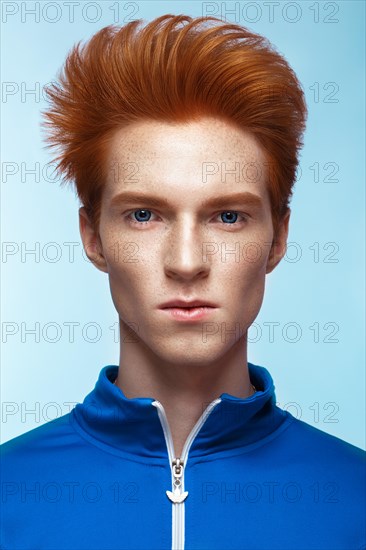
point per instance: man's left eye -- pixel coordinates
(233, 214)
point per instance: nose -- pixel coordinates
(184, 256)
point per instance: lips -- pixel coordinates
(178, 303)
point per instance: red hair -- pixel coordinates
(173, 70)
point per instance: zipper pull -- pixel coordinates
(177, 496)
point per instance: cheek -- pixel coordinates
(248, 280)
(251, 261)
(131, 275)
(252, 284)
(123, 273)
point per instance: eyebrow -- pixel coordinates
(223, 201)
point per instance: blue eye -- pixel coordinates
(231, 213)
(144, 216)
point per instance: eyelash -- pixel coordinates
(134, 222)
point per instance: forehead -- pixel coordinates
(197, 156)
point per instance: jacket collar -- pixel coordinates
(133, 426)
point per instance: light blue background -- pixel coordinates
(320, 382)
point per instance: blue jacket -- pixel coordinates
(251, 476)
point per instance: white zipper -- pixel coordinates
(178, 495)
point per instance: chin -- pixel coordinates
(190, 351)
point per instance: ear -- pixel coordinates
(91, 241)
(279, 243)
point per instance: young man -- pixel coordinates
(182, 139)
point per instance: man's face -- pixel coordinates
(187, 249)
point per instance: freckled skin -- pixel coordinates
(184, 365)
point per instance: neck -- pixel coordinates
(184, 386)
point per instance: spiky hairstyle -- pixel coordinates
(175, 68)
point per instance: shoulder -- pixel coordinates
(49, 437)
(310, 435)
(326, 453)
